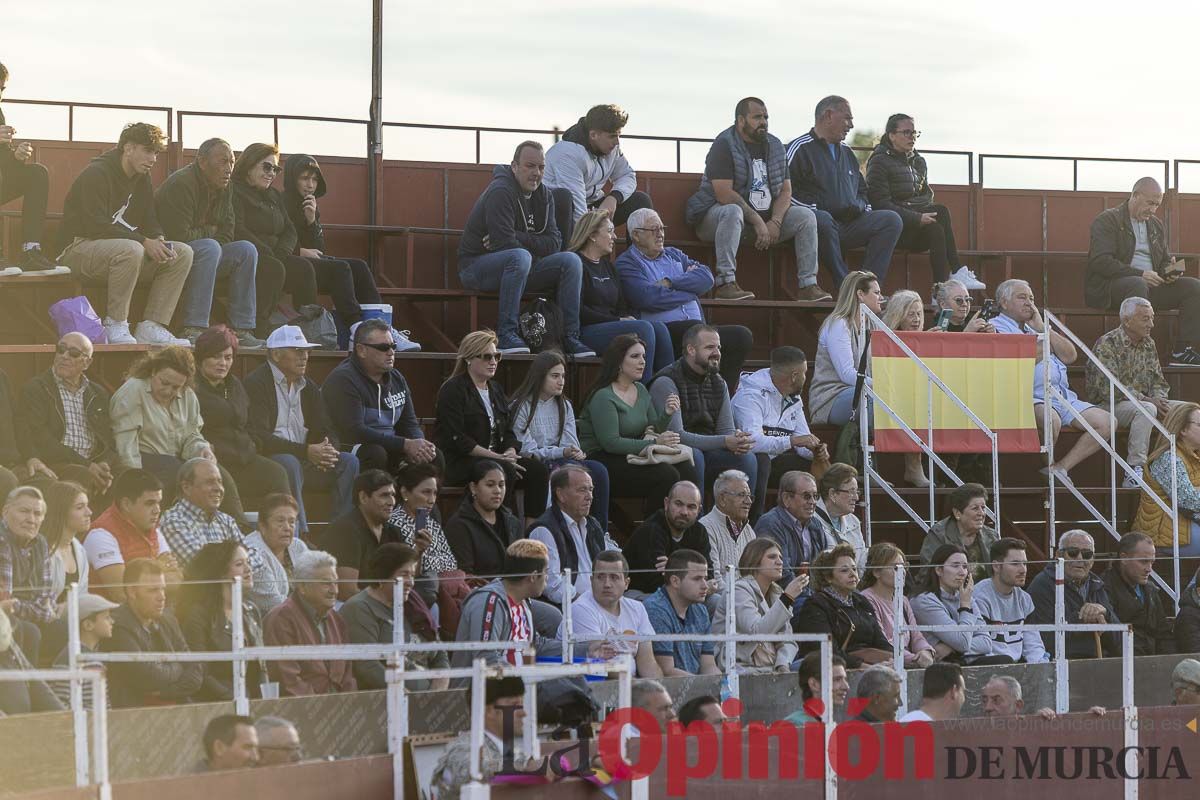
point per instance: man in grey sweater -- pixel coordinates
(704, 420)
(1000, 599)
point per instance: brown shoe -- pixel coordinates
(812, 294)
(731, 291)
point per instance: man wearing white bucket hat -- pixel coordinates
(289, 423)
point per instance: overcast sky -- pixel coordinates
(1052, 78)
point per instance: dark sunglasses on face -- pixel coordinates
(1077, 552)
(70, 352)
(489, 357)
(270, 168)
(383, 347)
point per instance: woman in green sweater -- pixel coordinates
(613, 425)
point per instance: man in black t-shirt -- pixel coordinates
(746, 192)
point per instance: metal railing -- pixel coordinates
(71, 105)
(1075, 161)
(868, 319)
(1117, 464)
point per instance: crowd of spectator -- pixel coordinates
(175, 456)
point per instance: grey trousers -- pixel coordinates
(726, 227)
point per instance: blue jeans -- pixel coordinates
(513, 273)
(877, 230)
(239, 262)
(654, 334)
(339, 481)
(712, 463)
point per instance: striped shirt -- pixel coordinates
(76, 433)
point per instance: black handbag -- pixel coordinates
(848, 449)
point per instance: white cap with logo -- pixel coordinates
(288, 336)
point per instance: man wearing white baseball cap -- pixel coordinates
(289, 424)
(1185, 682)
(95, 625)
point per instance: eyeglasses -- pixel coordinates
(1077, 552)
(810, 496)
(270, 168)
(71, 352)
(659, 231)
(383, 347)
(961, 301)
(910, 132)
(852, 492)
(738, 495)
(490, 357)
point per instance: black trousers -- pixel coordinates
(937, 239)
(348, 281)
(1181, 293)
(32, 182)
(564, 215)
(652, 482)
(373, 456)
(736, 341)
(275, 276)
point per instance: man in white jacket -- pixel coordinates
(587, 159)
(1000, 599)
(767, 405)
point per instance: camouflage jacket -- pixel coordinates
(1135, 365)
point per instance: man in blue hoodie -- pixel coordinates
(511, 245)
(826, 178)
(371, 407)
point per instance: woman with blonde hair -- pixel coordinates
(831, 394)
(1183, 420)
(603, 312)
(473, 423)
(157, 423)
(906, 312)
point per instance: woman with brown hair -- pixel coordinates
(156, 422)
(68, 519)
(878, 585)
(603, 312)
(1183, 420)
(839, 609)
(473, 422)
(261, 218)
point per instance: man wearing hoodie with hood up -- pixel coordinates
(303, 184)
(587, 159)
(511, 245)
(112, 235)
(371, 407)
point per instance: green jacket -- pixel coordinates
(609, 425)
(189, 209)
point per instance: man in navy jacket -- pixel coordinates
(826, 178)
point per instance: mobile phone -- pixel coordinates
(942, 321)
(422, 518)
(1177, 271)
(989, 309)
(802, 569)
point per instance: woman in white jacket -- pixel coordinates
(760, 607)
(831, 396)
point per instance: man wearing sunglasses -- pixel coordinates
(1085, 598)
(371, 406)
(63, 418)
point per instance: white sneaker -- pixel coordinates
(150, 332)
(403, 343)
(967, 278)
(1131, 478)
(118, 332)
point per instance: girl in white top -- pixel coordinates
(831, 395)
(68, 517)
(548, 433)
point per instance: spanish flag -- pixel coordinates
(991, 374)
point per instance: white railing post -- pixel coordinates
(568, 647)
(1130, 712)
(898, 638)
(241, 701)
(1062, 668)
(730, 651)
(100, 734)
(78, 712)
(1047, 429)
(397, 696)
(864, 433)
(827, 720)
(1174, 522)
(477, 713)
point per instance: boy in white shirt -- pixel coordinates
(604, 614)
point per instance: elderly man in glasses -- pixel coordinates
(63, 423)
(1085, 599)
(371, 407)
(663, 284)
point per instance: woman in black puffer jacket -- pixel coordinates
(898, 180)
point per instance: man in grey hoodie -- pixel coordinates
(501, 610)
(511, 245)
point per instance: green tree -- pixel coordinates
(864, 138)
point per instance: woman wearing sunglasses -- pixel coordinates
(261, 218)
(473, 423)
(898, 180)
